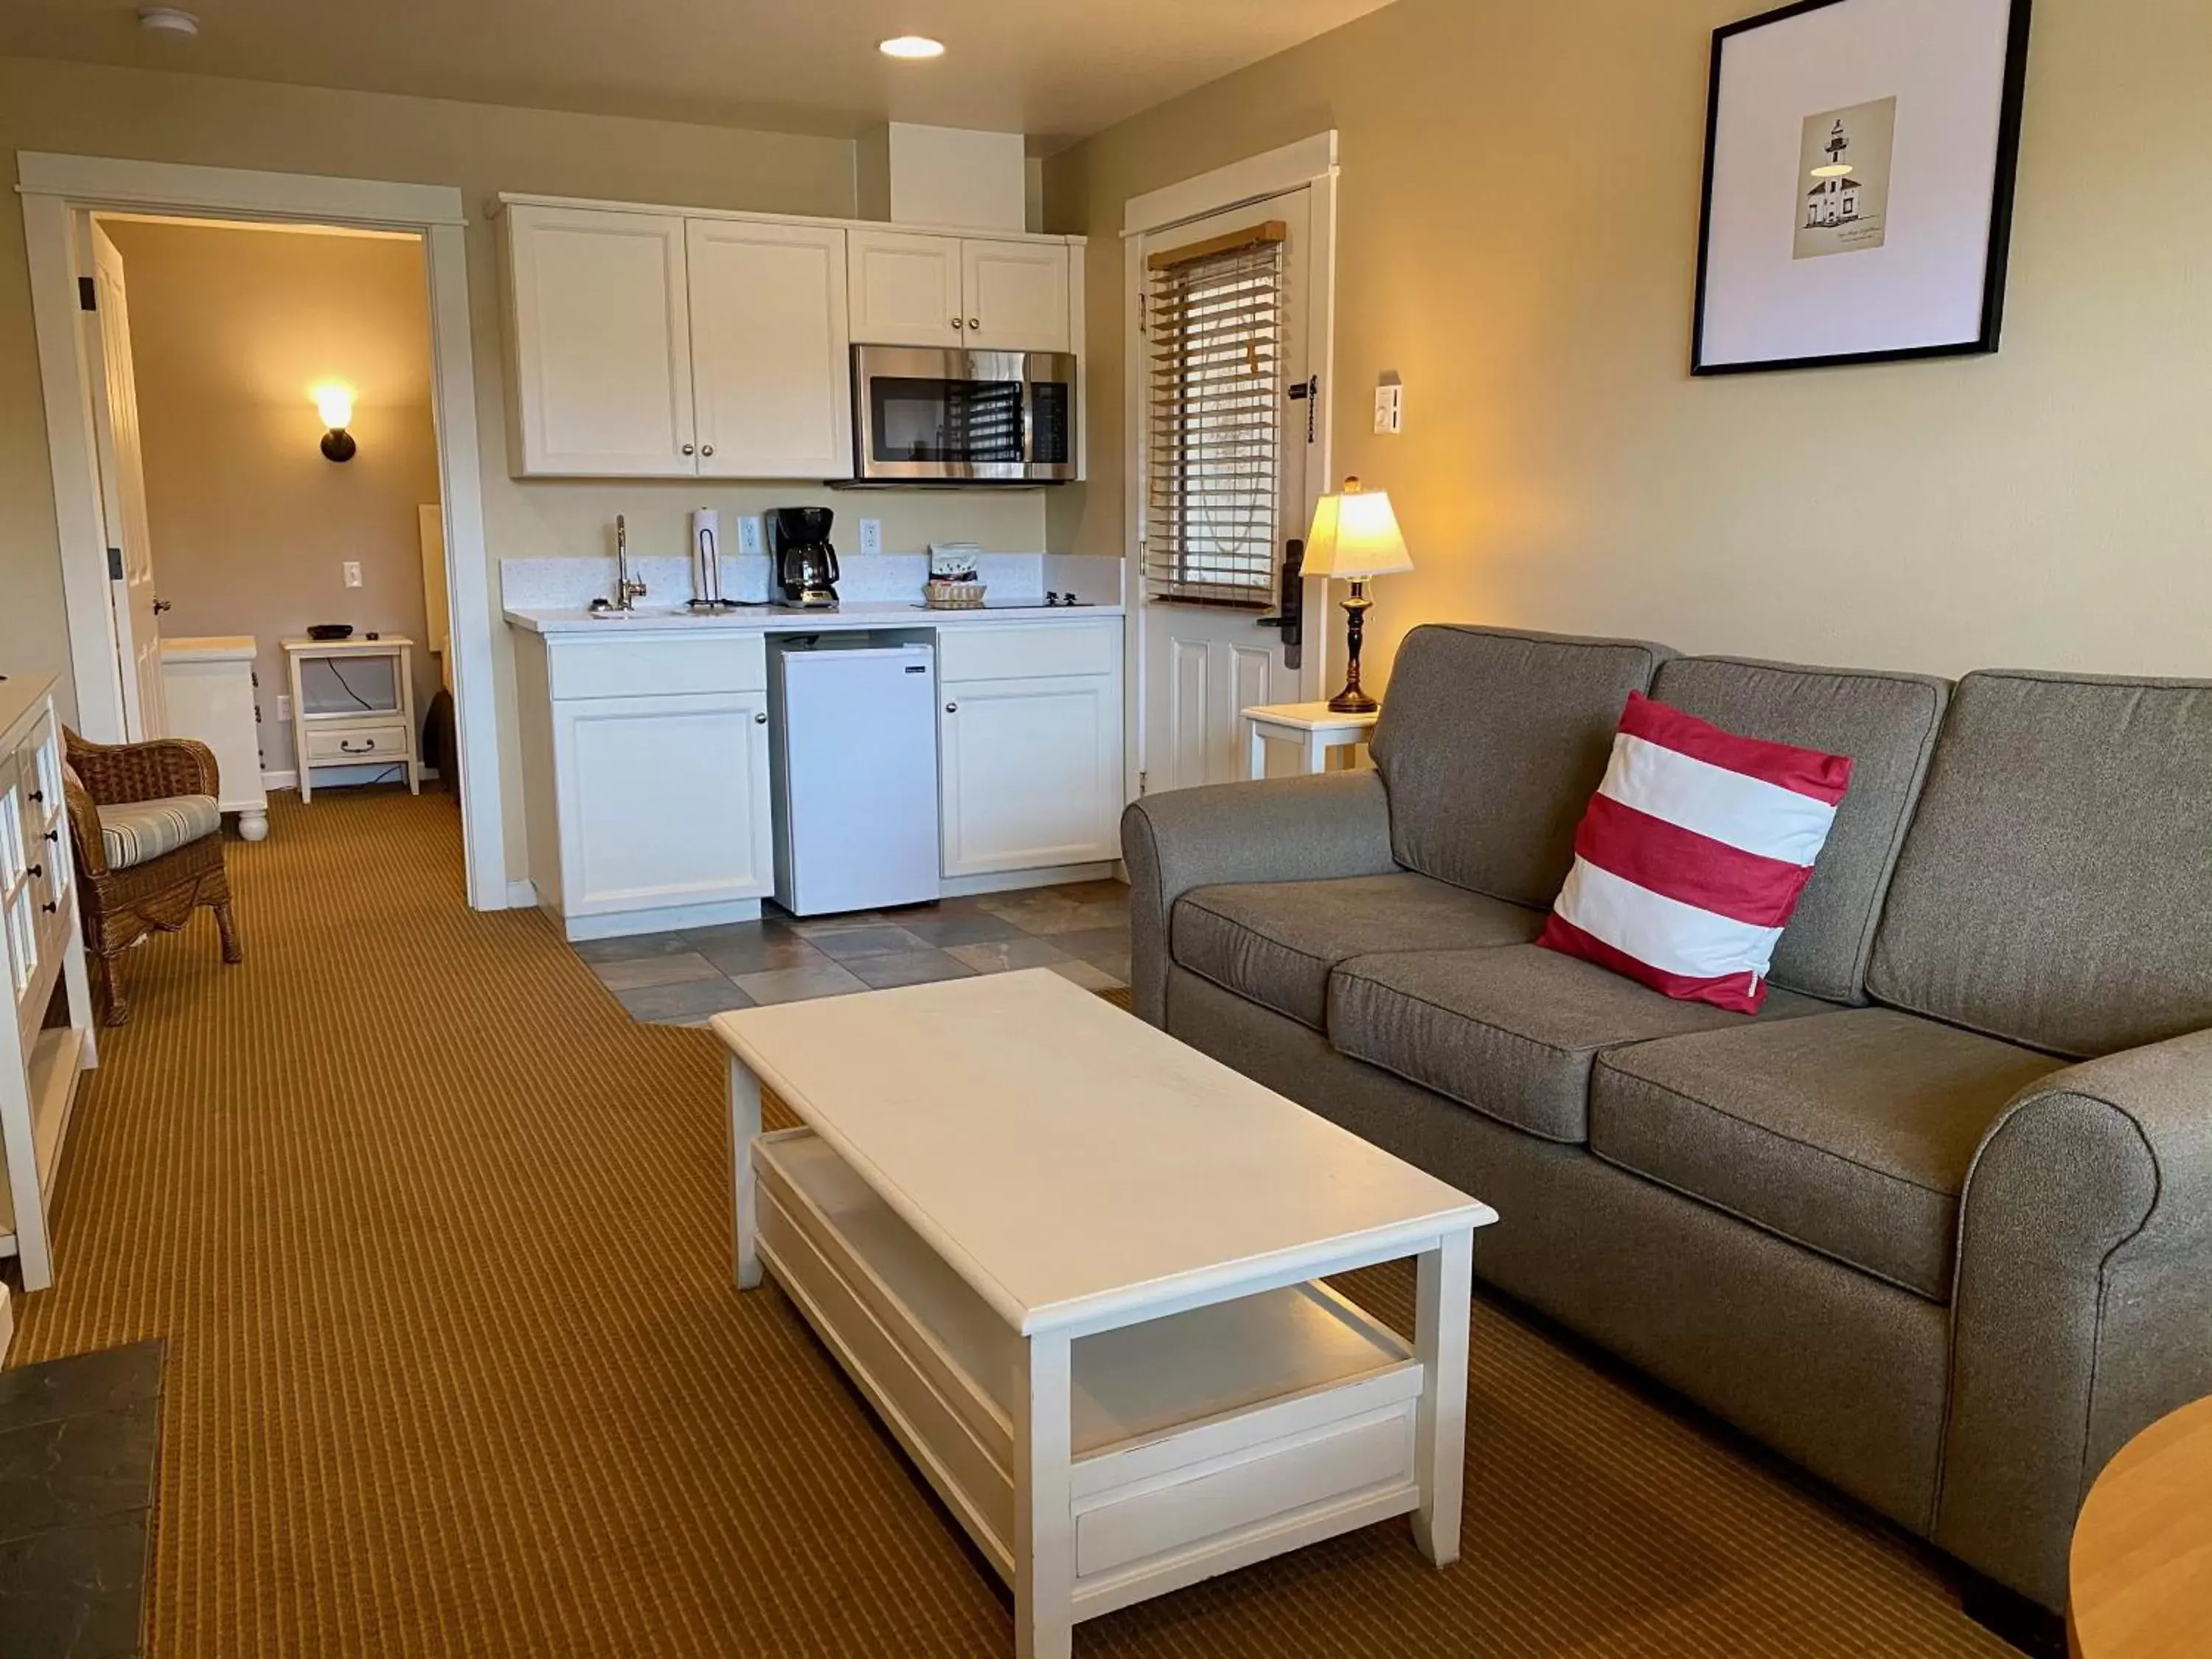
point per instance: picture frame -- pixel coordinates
(1860, 163)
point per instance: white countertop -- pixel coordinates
(765, 618)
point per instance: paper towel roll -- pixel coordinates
(706, 555)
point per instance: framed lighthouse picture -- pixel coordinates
(1859, 164)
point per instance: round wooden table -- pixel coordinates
(2140, 1573)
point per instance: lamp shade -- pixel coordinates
(1355, 534)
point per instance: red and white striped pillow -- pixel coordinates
(1693, 854)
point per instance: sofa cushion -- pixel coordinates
(140, 831)
(2052, 889)
(1276, 941)
(1489, 744)
(1886, 723)
(1511, 1032)
(1850, 1133)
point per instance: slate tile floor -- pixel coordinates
(1080, 931)
(77, 1439)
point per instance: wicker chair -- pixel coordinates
(122, 905)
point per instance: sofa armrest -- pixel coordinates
(2082, 1309)
(1304, 828)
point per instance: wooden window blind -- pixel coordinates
(1213, 329)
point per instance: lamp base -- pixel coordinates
(1352, 699)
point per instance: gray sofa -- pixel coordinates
(1937, 1222)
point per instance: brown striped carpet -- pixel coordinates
(438, 1242)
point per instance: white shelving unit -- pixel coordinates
(49, 1041)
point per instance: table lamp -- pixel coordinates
(1355, 537)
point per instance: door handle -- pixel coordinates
(160, 605)
(1289, 603)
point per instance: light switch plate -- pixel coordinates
(353, 572)
(1390, 408)
(283, 706)
(871, 535)
(749, 535)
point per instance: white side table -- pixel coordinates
(353, 704)
(1314, 727)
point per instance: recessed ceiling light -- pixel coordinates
(168, 20)
(911, 46)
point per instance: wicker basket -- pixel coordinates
(952, 596)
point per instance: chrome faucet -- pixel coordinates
(627, 592)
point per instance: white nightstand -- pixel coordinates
(1314, 727)
(353, 704)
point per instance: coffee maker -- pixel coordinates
(806, 564)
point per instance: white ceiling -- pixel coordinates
(1053, 68)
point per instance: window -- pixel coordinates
(1213, 331)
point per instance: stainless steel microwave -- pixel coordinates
(945, 415)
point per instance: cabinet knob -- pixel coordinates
(54, 835)
(957, 323)
(706, 449)
(951, 707)
(760, 719)
(974, 322)
(686, 449)
(50, 907)
(38, 870)
(38, 795)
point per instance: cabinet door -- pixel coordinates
(663, 801)
(772, 377)
(905, 289)
(602, 344)
(1017, 295)
(1031, 772)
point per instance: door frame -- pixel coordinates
(1309, 163)
(59, 191)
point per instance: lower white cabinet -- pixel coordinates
(665, 801)
(645, 779)
(1030, 758)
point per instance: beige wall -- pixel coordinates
(1519, 216)
(482, 149)
(252, 524)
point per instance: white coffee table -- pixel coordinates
(1070, 1261)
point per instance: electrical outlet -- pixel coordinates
(749, 535)
(1390, 406)
(871, 535)
(353, 572)
(283, 706)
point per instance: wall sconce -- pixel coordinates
(335, 404)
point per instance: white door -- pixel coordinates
(1031, 773)
(663, 801)
(906, 289)
(772, 372)
(1017, 294)
(602, 342)
(1227, 459)
(123, 498)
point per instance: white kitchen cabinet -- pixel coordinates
(988, 293)
(771, 363)
(906, 289)
(600, 317)
(663, 800)
(1017, 295)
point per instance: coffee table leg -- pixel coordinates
(1044, 1527)
(745, 1125)
(1445, 1287)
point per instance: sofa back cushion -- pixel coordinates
(2055, 884)
(1886, 723)
(1490, 743)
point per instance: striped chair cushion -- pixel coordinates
(135, 832)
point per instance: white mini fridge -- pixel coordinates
(854, 746)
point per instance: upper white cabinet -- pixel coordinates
(602, 342)
(988, 293)
(906, 289)
(1018, 297)
(771, 380)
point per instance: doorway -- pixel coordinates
(61, 197)
(1228, 449)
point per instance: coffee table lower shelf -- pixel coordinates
(1202, 1441)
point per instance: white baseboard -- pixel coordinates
(522, 896)
(7, 1321)
(1007, 881)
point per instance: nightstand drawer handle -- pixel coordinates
(366, 747)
